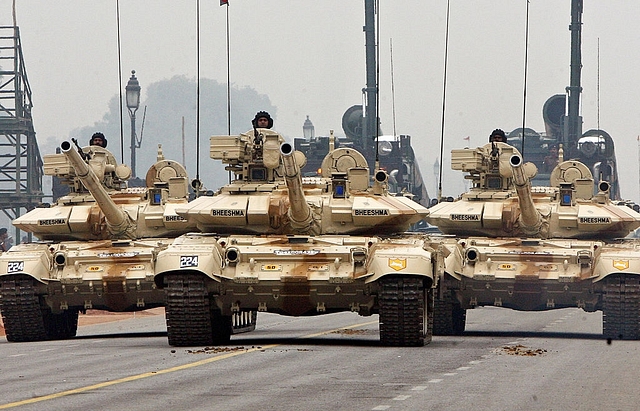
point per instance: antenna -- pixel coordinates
(393, 90)
(598, 87)
(444, 94)
(228, 77)
(198, 91)
(120, 81)
(377, 125)
(526, 65)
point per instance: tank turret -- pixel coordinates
(502, 203)
(269, 195)
(99, 205)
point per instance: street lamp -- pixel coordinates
(133, 102)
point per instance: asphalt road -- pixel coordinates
(506, 360)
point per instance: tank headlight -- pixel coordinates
(381, 176)
(359, 256)
(472, 255)
(60, 259)
(232, 255)
(604, 186)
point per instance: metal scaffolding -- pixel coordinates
(21, 167)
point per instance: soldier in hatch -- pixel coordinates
(98, 139)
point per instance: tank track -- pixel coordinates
(26, 318)
(450, 317)
(188, 311)
(60, 326)
(403, 302)
(621, 307)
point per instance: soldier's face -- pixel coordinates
(262, 122)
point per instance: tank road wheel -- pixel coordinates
(188, 312)
(404, 321)
(621, 307)
(21, 312)
(450, 317)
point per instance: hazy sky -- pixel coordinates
(308, 57)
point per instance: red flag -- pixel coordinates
(224, 2)
(468, 138)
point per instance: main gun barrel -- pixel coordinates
(117, 218)
(299, 211)
(530, 219)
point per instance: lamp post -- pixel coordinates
(133, 102)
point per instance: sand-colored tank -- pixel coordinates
(275, 241)
(98, 244)
(536, 248)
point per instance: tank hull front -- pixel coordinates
(45, 284)
(535, 274)
(290, 275)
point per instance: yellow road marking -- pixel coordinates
(160, 372)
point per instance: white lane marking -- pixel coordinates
(462, 368)
(435, 380)
(419, 387)
(401, 397)
(450, 374)
(18, 355)
(381, 408)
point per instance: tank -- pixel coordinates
(536, 248)
(97, 245)
(274, 241)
